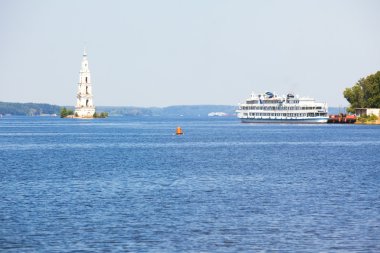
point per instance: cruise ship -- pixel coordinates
(271, 108)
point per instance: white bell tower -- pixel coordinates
(84, 107)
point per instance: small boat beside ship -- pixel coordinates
(271, 108)
(342, 118)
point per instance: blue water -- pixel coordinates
(130, 185)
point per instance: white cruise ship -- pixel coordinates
(271, 108)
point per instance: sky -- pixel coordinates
(161, 53)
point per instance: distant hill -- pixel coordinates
(180, 110)
(33, 109)
(171, 111)
(30, 109)
(198, 110)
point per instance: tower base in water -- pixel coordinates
(84, 112)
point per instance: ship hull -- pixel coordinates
(314, 120)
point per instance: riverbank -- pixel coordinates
(376, 122)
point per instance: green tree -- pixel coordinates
(104, 115)
(64, 112)
(365, 93)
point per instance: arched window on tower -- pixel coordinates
(86, 79)
(86, 88)
(87, 102)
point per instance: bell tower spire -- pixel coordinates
(84, 107)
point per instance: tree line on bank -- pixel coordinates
(68, 112)
(365, 93)
(30, 109)
(35, 109)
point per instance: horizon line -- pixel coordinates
(148, 106)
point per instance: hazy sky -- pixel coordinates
(158, 53)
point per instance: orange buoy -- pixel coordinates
(178, 131)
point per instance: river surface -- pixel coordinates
(130, 185)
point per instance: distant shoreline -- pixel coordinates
(35, 109)
(43, 109)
